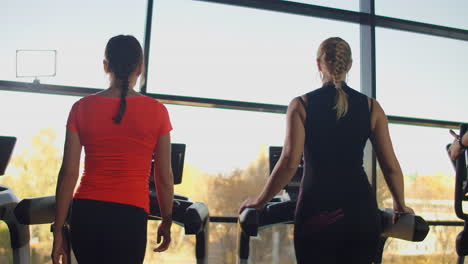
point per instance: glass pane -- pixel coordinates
(78, 31)
(181, 250)
(352, 5)
(422, 76)
(6, 253)
(451, 13)
(428, 173)
(437, 248)
(34, 119)
(220, 51)
(41, 243)
(273, 245)
(226, 158)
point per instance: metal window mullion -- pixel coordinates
(421, 28)
(206, 102)
(368, 78)
(146, 46)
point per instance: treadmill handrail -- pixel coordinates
(408, 227)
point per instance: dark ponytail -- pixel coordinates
(123, 54)
(123, 102)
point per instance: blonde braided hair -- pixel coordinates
(335, 54)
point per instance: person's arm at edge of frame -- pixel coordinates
(66, 182)
(455, 148)
(165, 189)
(289, 160)
(381, 141)
(465, 139)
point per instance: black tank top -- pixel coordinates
(334, 176)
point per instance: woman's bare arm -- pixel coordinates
(381, 141)
(455, 148)
(465, 139)
(163, 176)
(68, 177)
(164, 181)
(290, 156)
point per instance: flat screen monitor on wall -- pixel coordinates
(36, 63)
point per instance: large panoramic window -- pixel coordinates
(422, 76)
(202, 49)
(78, 31)
(450, 13)
(219, 51)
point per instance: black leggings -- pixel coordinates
(105, 232)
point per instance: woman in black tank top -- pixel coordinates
(336, 217)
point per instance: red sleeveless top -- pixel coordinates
(118, 156)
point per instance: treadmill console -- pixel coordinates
(6, 148)
(177, 162)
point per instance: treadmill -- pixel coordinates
(193, 216)
(19, 233)
(281, 211)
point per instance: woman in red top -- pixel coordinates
(120, 131)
